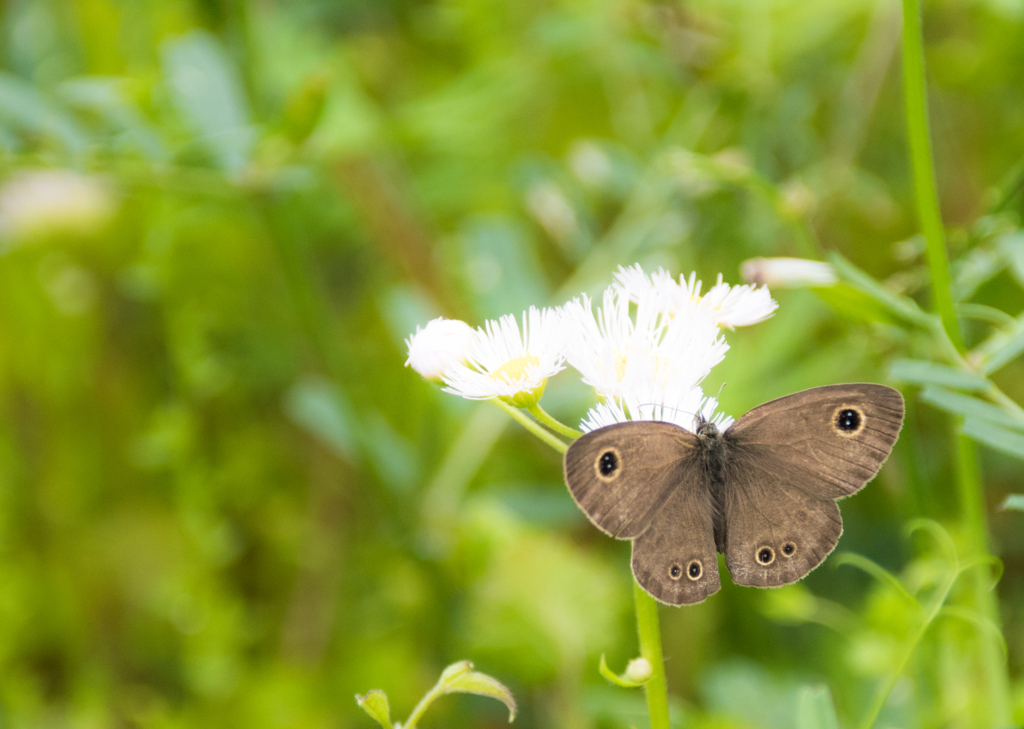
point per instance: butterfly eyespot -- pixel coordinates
(848, 420)
(789, 549)
(608, 464)
(765, 555)
(675, 572)
(694, 570)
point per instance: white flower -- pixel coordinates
(788, 272)
(618, 353)
(440, 345)
(682, 406)
(729, 306)
(508, 364)
(53, 202)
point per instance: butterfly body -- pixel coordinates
(762, 492)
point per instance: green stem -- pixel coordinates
(646, 606)
(538, 412)
(650, 648)
(925, 193)
(532, 426)
(970, 487)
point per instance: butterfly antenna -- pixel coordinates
(719, 395)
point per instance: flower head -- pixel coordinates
(509, 363)
(729, 306)
(619, 353)
(440, 345)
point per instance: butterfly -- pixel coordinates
(763, 491)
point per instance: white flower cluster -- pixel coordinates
(645, 350)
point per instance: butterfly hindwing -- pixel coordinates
(675, 559)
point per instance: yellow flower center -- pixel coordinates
(515, 369)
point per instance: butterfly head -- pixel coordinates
(705, 429)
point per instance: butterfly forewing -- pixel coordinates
(787, 461)
(620, 475)
(831, 439)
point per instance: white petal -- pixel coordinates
(504, 361)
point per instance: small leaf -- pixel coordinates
(375, 703)
(939, 534)
(1005, 354)
(1014, 502)
(955, 402)
(995, 437)
(459, 679)
(875, 570)
(815, 710)
(626, 680)
(979, 621)
(901, 307)
(208, 91)
(920, 372)
(454, 671)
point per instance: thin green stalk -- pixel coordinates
(561, 428)
(925, 193)
(650, 648)
(646, 606)
(531, 425)
(970, 487)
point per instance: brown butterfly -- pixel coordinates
(763, 492)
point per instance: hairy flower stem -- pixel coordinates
(970, 487)
(650, 648)
(532, 426)
(646, 607)
(538, 412)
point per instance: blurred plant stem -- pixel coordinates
(650, 648)
(532, 426)
(538, 412)
(970, 487)
(646, 607)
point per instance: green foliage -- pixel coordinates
(223, 501)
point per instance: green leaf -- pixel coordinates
(24, 107)
(375, 703)
(995, 437)
(939, 534)
(322, 408)
(208, 92)
(875, 570)
(902, 307)
(815, 710)
(626, 680)
(459, 678)
(1014, 502)
(979, 621)
(1005, 354)
(955, 402)
(920, 372)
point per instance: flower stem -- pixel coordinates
(650, 648)
(538, 412)
(925, 194)
(646, 606)
(970, 487)
(532, 426)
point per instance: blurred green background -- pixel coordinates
(224, 502)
